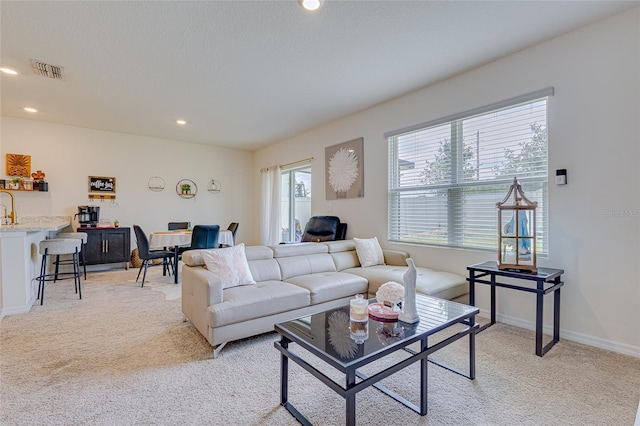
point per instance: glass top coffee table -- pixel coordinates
(329, 336)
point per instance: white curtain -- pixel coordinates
(270, 223)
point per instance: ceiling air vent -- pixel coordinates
(47, 70)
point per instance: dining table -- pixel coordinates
(181, 238)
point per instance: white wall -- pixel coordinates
(69, 155)
(593, 133)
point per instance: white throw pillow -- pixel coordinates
(369, 251)
(230, 265)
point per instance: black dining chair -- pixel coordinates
(175, 226)
(233, 227)
(147, 255)
(178, 225)
(204, 237)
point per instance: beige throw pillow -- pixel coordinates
(369, 251)
(230, 265)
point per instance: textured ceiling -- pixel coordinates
(245, 74)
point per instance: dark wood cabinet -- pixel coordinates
(107, 245)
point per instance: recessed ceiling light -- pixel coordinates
(311, 4)
(8, 71)
(181, 122)
(29, 109)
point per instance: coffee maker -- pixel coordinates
(88, 216)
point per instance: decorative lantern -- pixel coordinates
(517, 231)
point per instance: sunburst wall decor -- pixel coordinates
(18, 165)
(344, 170)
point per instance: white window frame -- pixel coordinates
(406, 219)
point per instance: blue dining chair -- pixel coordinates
(205, 236)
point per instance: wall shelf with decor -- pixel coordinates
(214, 186)
(35, 188)
(186, 188)
(156, 183)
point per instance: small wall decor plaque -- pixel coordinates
(18, 165)
(102, 184)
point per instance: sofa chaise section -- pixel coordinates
(441, 284)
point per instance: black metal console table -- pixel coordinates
(547, 280)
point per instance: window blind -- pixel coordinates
(446, 176)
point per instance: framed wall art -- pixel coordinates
(344, 170)
(18, 165)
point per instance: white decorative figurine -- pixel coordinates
(409, 313)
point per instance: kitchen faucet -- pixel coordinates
(13, 216)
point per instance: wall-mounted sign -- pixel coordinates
(102, 184)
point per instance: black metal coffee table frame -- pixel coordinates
(352, 387)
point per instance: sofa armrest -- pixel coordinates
(200, 289)
(395, 258)
(204, 284)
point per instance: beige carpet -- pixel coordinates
(123, 356)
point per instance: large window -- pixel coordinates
(446, 176)
(296, 202)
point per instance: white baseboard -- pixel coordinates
(15, 310)
(585, 339)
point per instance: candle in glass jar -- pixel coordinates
(358, 308)
(359, 331)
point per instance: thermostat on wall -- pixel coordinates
(561, 176)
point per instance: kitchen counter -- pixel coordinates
(20, 259)
(38, 224)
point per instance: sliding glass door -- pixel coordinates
(296, 202)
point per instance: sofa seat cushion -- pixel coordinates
(327, 286)
(444, 285)
(256, 301)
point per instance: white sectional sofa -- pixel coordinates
(293, 280)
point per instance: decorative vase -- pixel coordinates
(410, 312)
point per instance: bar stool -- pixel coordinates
(73, 235)
(58, 246)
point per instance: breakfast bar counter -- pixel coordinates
(20, 260)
